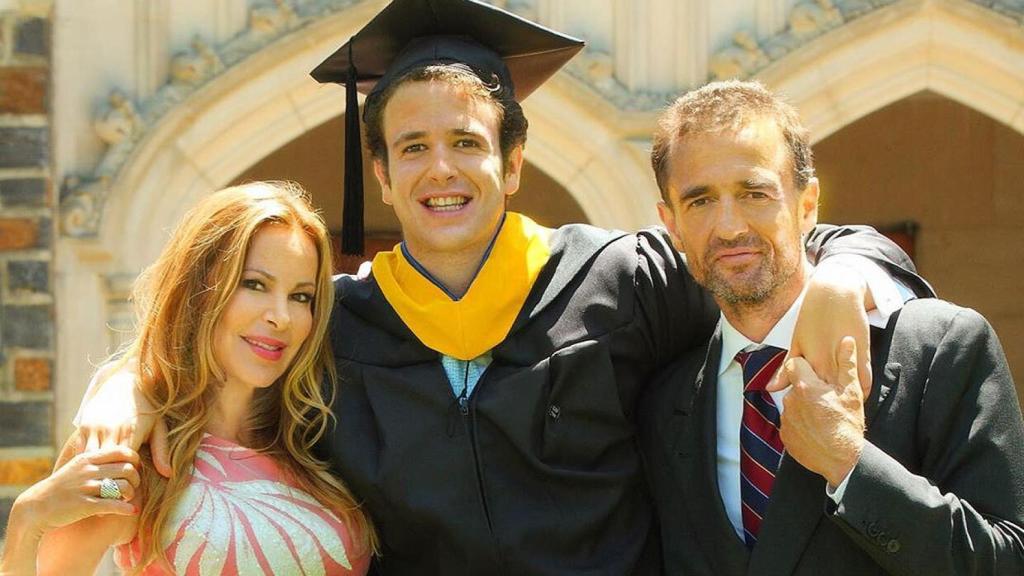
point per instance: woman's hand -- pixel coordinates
(72, 492)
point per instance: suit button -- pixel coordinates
(893, 546)
(554, 411)
(872, 530)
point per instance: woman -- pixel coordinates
(232, 320)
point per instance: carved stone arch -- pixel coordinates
(196, 146)
(244, 113)
(966, 52)
(230, 123)
(264, 102)
(598, 153)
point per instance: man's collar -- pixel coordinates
(469, 326)
(433, 279)
(780, 336)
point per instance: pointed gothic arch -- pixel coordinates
(266, 101)
(241, 115)
(961, 50)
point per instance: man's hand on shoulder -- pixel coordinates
(110, 415)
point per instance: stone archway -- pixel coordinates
(240, 116)
(952, 178)
(959, 49)
(949, 76)
(303, 160)
(266, 101)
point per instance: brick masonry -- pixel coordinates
(28, 277)
(32, 37)
(5, 509)
(26, 423)
(29, 326)
(23, 90)
(31, 375)
(44, 237)
(24, 471)
(24, 193)
(24, 146)
(18, 233)
(27, 213)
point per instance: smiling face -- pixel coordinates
(734, 209)
(269, 315)
(444, 174)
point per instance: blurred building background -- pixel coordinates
(117, 115)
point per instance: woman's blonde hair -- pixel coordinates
(179, 300)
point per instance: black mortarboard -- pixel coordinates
(408, 34)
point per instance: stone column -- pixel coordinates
(770, 16)
(26, 250)
(661, 45)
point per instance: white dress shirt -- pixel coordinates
(889, 296)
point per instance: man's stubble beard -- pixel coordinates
(750, 288)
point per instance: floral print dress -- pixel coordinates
(242, 514)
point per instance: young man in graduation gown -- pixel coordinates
(490, 367)
(749, 480)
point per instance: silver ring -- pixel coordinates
(109, 489)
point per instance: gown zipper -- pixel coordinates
(465, 408)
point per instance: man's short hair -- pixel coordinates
(511, 121)
(726, 106)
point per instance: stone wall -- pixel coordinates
(26, 250)
(959, 175)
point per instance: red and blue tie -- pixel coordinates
(760, 443)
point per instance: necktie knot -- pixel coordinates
(759, 366)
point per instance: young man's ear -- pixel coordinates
(513, 170)
(380, 171)
(668, 219)
(809, 206)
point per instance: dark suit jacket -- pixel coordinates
(939, 488)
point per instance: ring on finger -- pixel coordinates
(109, 489)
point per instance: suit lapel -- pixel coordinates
(694, 427)
(885, 373)
(798, 497)
(796, 506)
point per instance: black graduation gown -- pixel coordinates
(539, 473)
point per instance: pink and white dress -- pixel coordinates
(242, 514)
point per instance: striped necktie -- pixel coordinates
(760, 443)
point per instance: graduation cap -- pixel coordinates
(410, 34)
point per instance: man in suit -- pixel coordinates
(919, 471)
